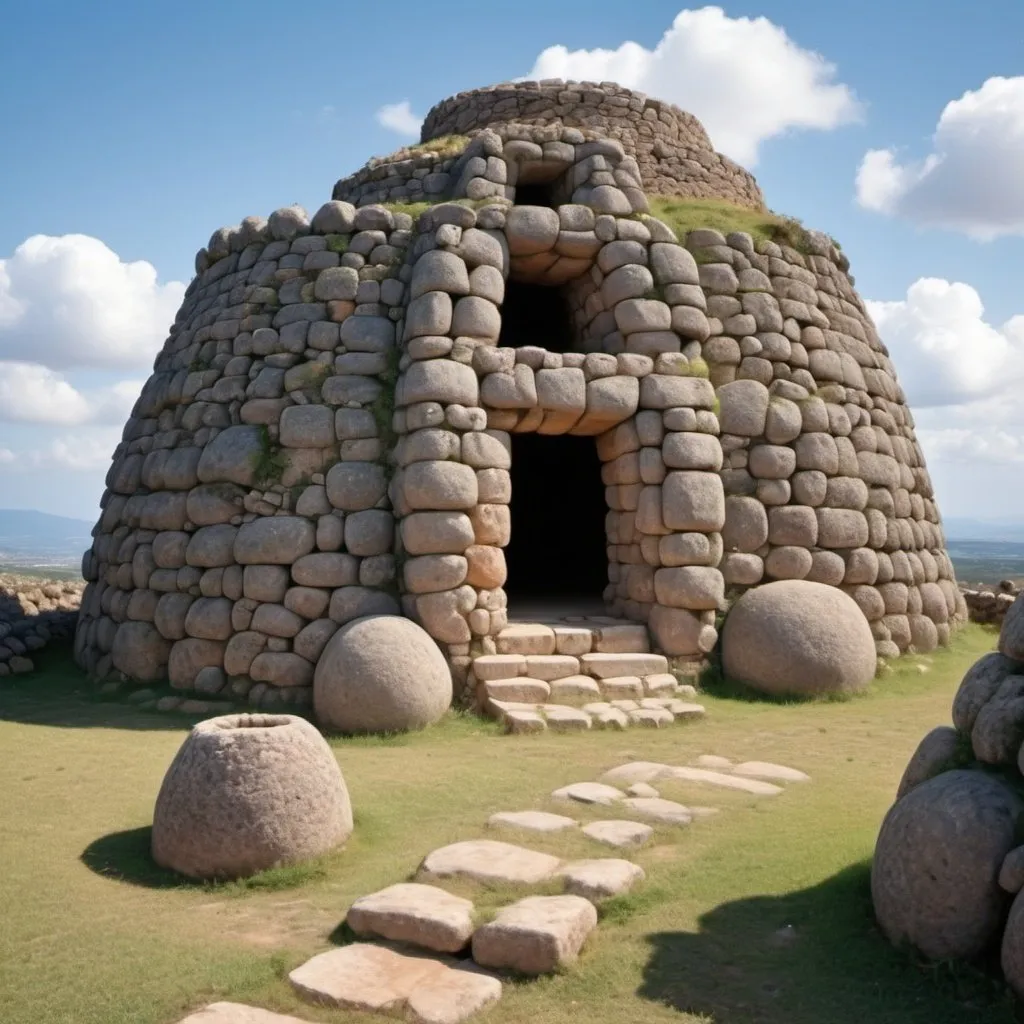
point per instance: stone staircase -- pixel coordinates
(579, 672)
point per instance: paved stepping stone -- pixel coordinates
(552, 666)
(526, 638)
(599, 879)
(238, 1013)
(714, 761)
(661, 683)
(487, 860)
(422, 915)
(686, 711)
(561, 718)
(753, 786)
(573, 640)
(642, 789)
(588, 793)
(610, 666)
(536, 935)
(524, 721)
(420, 988)
(575, 690)
(613, 718)
(521, 689)
(651, 718)
(535, 821)
(499, 666)
(666, 812)
(635, 771)
(620, 834)
(622, 688)
(767, 770)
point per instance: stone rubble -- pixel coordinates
(33, 613)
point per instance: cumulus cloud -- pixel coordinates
(944, 349)
(398, 117)
(31, 393)
(744, 78)
(972, 181)
(70, 301)
(6, 456)
(86, 452)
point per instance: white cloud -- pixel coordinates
(399, 118)
(70, 301)
(744, 78)
(945, 352)
(973, 181)
(7, 456)
(88, 452)
(30, 393)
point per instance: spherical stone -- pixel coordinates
(140, 652)
(249, 792)
(979, 686)
(797, 637)
(933, 756)
(934, 878)
(381, 673)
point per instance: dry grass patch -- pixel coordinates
(760, 913)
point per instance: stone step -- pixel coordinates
(749, 777)
(620, 834)
(536, 935)
(527, 716)
(574, 636)
(531, 821)
(238, 1013)
(378, 979)
(601, 878)
(420, 915)
(489, 861)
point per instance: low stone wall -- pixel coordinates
(989, 606)
(672, 150)
(33, 613)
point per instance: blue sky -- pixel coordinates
(147, 126)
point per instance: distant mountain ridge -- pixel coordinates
(27, 532)
(1004, 530)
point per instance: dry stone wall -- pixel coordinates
(671, 147)
(327, 432)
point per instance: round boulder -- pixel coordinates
(794, 637)
(249, 792)
(934, 881)
(381, 673)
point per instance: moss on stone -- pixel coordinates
(269, 463)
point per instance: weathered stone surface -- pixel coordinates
(665, 812)
(771, 772)
(372, 978)
(620, 834)
(937, 861)
(797, 637)
(536, 935)
(934, 755)
(249, 792)
(589, 793)
(381, 673)
(756, 787)
(487, 860)
(531, 821)
(421, 915)
(602, 878)
(237, 1013)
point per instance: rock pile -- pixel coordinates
(989, 606)
(34, 612)
(328, 431)
(948, 864)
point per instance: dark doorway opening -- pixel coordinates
(536, 314)
(535, 193)
(558, 548)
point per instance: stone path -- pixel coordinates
(570, 674)
(410, 932)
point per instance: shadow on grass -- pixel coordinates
(811, 957)
(125, 856)
(58, 693)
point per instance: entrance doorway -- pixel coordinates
(557, 554)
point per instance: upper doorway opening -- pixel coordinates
(535, 193)
(536, 314)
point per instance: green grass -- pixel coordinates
(758, 914)
(685, 215)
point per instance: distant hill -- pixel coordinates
(1005, 530)
(29, 538)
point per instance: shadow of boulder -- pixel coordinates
(813, 957)
(126, 856)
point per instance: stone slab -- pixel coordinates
(573, 640)
(753, 786)
(526, 638)
(499, 666)
(714, 761)
(686, 711)
(600, 878)
(635, 771)
(520, 690)
(377, 979)
(533, 821)
(622, 640)
(651, 718)
(771, 772)
(589, 793)
(524, 722)
(622, 688)
(536, 935)
(665, 812)
(488, 860)
(608, 666)
(642, 789)
(238, 1013)
(575, 690)
(421, 915)
(620, 834)
(660, 683)
(562, 718)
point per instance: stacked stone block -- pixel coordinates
(327, 432)
(672, 150)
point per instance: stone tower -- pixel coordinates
(516, 359)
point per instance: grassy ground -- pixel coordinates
(760, 914)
